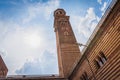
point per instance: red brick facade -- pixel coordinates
(101, 59)
(3, 68)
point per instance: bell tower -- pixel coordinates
(68, 51)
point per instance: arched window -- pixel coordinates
(81, 78)
(66, 33)
(60, 12)
(97, 64)
(84, 76)
(100, 61)
(103, 57)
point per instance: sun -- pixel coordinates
(32, 40)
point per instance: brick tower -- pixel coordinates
(68, 51)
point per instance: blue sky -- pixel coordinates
(27, 38)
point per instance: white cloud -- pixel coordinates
(99, 1)
(39, 66)
(3, 53)
(84, 25)
(13, 41)
(103, 7)
(43, 9)
(17, 42)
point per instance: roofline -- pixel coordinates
(108, 10)
(91, 39)
(3, 63)
(32, 77)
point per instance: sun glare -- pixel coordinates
(33, 40)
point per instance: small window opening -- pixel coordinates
(103, 57)
(84, 76)
(60, 12)
(100, 60)
(97, 64)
